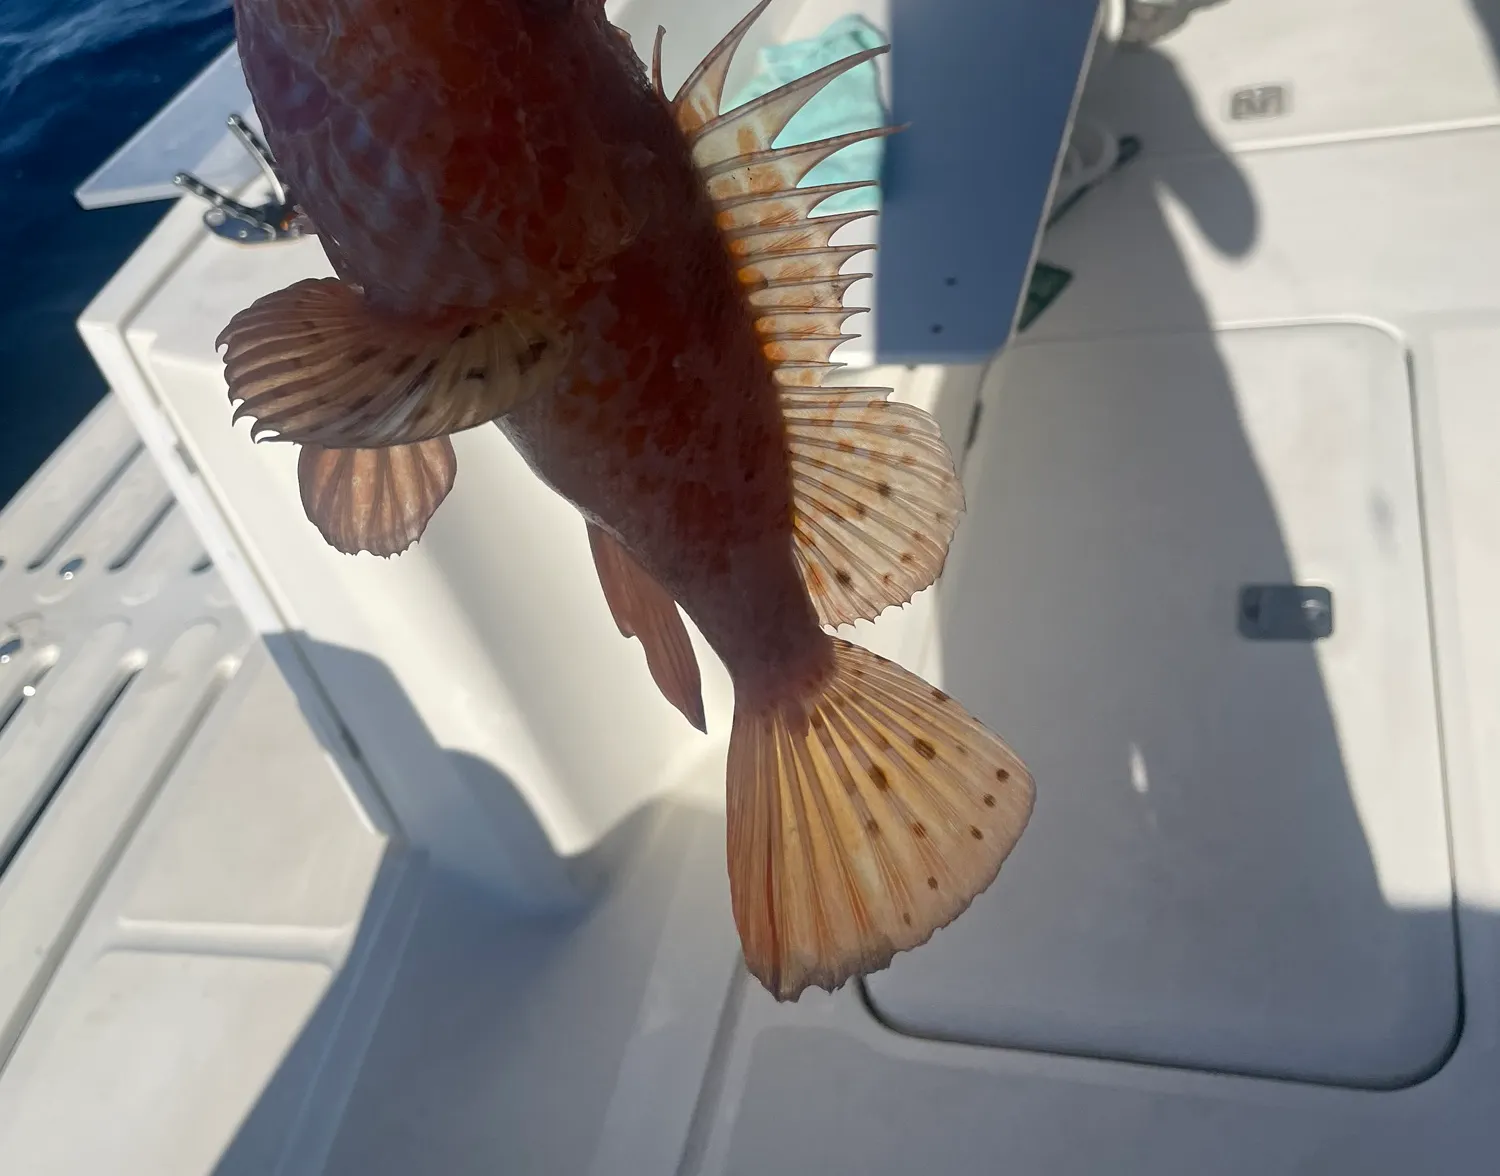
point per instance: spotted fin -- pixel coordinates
(642, 608)
(314, 364)
(782, 251)
(875, 499)
(864, 814)
(375, 500)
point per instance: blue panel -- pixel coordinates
(988, 87)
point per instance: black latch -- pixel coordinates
(1285, 612)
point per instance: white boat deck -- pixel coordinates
(399, 867)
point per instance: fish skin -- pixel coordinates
(453, 155)
(672, 440)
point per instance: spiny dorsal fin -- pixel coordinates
(779, 169)
(697, 103)
(804, 322)
(783, 252)
(804, 293)
(759, 210)
(801, 266)
(875, 495)
(754, 125)
(770, 240)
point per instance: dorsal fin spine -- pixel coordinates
(783, 252)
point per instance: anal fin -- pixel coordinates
(375, 500)
(643, 609)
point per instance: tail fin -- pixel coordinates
(862, 818)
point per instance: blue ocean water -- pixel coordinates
(77, 78)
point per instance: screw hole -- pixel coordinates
(71, 568)
(950, 281)
(937, 328)
(9, 649)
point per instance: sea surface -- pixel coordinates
(77, 78)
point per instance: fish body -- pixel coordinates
(453, 155)
(636, 289)
(670, 437)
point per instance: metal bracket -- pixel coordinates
(279, 219)
(1285, 612)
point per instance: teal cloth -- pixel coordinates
(851, 102)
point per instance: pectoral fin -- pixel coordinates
(313, 363)
(642, 608)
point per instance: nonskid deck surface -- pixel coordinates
(183, 874)
(116, 639)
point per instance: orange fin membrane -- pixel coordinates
(875, 499)
(375, 500)
(875, 493)
(312, 364)
(864, 815)
(642, 608)
(782, 251)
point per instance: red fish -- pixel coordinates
(527, 230)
